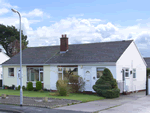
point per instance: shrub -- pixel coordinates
(106, 85)
(13, 86)
(76, 83)
(38, 85)
(18, 87)
(23, 87)
(148, 71)
(45, 89)
(30, 86)
(62, 87)
(34, 89)
(41, 90)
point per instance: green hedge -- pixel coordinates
(30, 86)
(38, 85)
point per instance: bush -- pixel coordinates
(18, 88)
(41, 90)
(23, 87)
(148, 71)
(106, 85)
(13, 86)
(30, 86)
(76, 83)
(62, 87)
(38, 85)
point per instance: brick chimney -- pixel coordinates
(63, 44)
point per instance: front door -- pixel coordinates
(87, 79)
(18, 77)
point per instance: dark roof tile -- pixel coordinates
(77, 53)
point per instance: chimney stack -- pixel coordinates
(63, 44)
(0, 50)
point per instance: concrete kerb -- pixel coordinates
(43, 106)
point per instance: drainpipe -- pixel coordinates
(146, 83)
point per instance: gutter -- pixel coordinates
(91, 63)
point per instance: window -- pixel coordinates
(126, 72)
(11, 72)
(65, 72)
(99, 72)
(134, 73)
(35, 74)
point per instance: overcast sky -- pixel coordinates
(84, 21)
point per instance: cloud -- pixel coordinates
(78, 29)
(76, 15)
(3, 11)
(33, 13)
(7, 4)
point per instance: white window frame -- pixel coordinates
(8, 72)
(126, 72)
(100, 68)
(62, 71)
(39, 75)
(134, 72)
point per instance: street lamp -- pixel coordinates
(21, 92)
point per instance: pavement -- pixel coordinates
(101, 105)
(141, 105)
(28, 109)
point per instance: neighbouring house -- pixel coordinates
(3, 58)
(50, 63)
(147, 60)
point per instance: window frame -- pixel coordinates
(100, 71)
(62, 70)
(39, 74)
(126, 72)
(13, 72)
(134, 72)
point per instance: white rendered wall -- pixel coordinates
(9, 81)
(53, 77)
(3, 58)
(132, 59)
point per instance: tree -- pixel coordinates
(106, 85)
(10, 40)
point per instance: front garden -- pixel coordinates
(72, 96)
(68, 91)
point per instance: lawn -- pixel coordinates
(73, 96)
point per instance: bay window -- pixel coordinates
(34, 73)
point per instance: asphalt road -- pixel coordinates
(28, 109)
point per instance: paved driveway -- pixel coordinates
(104, 104)
(141, 105)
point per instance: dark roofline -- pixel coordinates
(146, 57)
(84, 43)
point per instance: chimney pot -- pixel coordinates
(63, 44)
